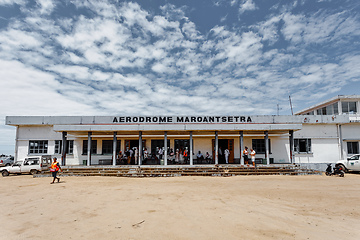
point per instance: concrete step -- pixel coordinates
(162, 171)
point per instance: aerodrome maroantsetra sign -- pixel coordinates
(183, 119)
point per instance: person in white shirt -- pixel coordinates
(226, 153)
(199, 157)
(252, 154)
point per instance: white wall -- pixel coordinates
(324, 141)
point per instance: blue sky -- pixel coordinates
(156, 57)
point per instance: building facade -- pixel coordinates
(323, 133)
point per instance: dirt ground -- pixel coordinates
(242, 207)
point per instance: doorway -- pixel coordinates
(224, 144)
(131, 144)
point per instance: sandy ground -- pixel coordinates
(243, 207)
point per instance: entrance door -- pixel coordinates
(131, 144)
(224, 144)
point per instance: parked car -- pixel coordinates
(351, 163)
(30, 165)
(6, 161)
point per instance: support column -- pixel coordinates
(341, 143)
(241, 147)
(64, 148)
(165, 148)
(267, 147)
(216, 148)
(89, 149)
(191, 149)
(114, 148)
(291, 141)
(140, 151)
(17, 145)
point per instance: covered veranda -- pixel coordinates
(164, 132)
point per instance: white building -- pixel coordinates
(323, 133)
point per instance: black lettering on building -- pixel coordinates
(193, 119)
(180, 119)
(115, 119)
(223, 119)
(128, 119)
(205, 119)
(148, 119)
(121, 119)
(141, 119)
(135, 119)
(217, 119)
(211, 119)
(242, 119)
(155, 119)
(199, 119)
(249, 119)
(169, 119)
(230, 119)
(236, 118)
(162, 119)
(187, 119)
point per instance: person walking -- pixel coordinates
(55, 167)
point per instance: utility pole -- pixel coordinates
(278, 109)
(292, 113)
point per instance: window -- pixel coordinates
(321, 111)
(107, 146)
(302, 145)
(328, 110)
(353, 147)
(158, 144)
(93, 147)
(259, 145)
(38, 146)
(349, 107)
(70, 146)
(58, 146)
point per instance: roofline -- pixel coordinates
(334, 99)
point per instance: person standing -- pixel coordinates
(177, 156)
(55, 167)
(161, 152)
(226, 153)
(186, 155)
(136, 152)
(246, 156)
(220, 155)
(252, 154)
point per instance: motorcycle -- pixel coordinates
(338, 171)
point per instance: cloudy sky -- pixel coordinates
(167, 57)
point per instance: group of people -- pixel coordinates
(180, 156)
(246, 156)
(130, 156)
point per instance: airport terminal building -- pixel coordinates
(323, 133)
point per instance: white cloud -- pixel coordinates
(247, 5)
(46, 6)
(11, 2)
